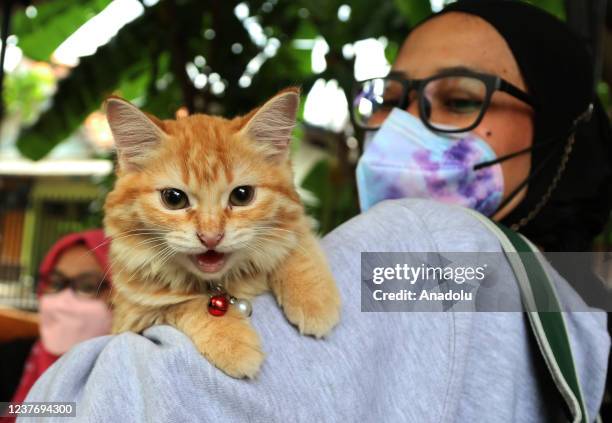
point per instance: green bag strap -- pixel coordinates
(544, 312)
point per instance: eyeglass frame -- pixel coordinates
(72, 283)
(491, 82)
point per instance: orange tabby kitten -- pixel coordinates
(204, 200)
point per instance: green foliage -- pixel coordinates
(24, 91)
(554, 7)
(54, 22)
(603, 92)
(336, 196)
(414, 11)
(147, 64)
(120, 63)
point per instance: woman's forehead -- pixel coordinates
(77, 259)
(457, 39)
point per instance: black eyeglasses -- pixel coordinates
(88, 285)
(451, 101)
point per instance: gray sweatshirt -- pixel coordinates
(374, 367)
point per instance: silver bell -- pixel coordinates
(244, 307)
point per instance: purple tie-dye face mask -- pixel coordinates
(404, 159)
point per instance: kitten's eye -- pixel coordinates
(241, 196)
(174, 199)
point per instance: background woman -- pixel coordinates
(73, 301)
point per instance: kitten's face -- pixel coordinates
(203, 193)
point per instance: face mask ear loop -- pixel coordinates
(515, 154)
(529, 178)
(584, 117)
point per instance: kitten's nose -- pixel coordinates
(210, 240)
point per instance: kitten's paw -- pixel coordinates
(236, 352)
(247, 364)
(315, 314)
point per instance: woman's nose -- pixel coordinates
(413, 107)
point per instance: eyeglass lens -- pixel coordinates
(447, 102)
(87, 284)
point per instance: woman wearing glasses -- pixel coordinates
(494, 109)
(472, 134)
(461, 121)
(74, 302)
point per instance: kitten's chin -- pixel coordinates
(211, 263)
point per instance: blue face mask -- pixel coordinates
(404, 159)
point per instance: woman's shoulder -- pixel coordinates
(106, 376)
(411, 225)
(416, 225)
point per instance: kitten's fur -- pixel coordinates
(270, 240)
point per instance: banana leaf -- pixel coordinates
(85, 88)
(54, 22)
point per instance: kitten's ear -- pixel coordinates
(136, 134)
(271, 125)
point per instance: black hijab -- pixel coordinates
(558, 71)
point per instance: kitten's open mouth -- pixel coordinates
(210, 262)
